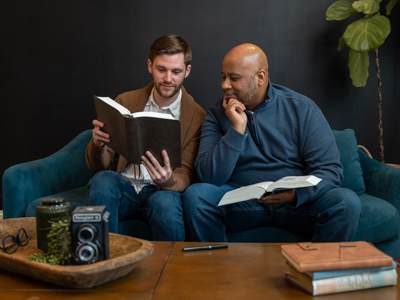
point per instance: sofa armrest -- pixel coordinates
(65, 169)
(381, 180)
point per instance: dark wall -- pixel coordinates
(55, 55)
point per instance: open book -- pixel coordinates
(255, 191)
(132, 134)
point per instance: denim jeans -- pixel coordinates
(162, 209)
(332, 217)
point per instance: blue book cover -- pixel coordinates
(339, 273)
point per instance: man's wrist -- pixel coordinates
(240, 129)
(170, 182)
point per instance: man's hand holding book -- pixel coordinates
(161, 175)
(100, 138)
(280, 196)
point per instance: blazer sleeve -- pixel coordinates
(99, 158)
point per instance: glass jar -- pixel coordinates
(50, 210)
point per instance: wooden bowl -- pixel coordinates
(125, 252)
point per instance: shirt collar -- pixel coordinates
(270, 91)
(269, 97)
(173, 108)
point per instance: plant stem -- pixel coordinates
(380, 107)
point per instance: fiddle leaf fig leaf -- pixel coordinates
(390, 5)
(358, 67)
(367, 7)
(339, 10)
(367, 33)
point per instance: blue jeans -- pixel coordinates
(332, 217)
(162, 209)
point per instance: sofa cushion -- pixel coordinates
(76, 197)
(391, 247)
(352, 172)
(379, 220)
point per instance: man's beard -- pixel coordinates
(169, 95)
(251, 92)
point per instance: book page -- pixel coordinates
(254, 191)
(293, 182)
(152, 115)
(122, 109)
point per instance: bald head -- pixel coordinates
(248, 55)
(245, 74)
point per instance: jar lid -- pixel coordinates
(52, 201)
(53, 205)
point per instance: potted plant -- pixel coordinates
(363, 35)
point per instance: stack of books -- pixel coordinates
(327, 268)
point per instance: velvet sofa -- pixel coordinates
(65, 173)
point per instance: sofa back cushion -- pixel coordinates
(352, 172)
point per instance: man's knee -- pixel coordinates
(346, 200)
(191, 196)
(104, 179)
(165, 203)
(193, 190)
(103, 185)
(200, 196)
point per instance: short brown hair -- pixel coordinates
(171, 44)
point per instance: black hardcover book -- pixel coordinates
(132, 134)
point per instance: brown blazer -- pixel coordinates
(192, 116)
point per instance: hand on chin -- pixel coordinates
(228, 97)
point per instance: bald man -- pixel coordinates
(262, 132)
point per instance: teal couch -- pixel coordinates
(65, 173)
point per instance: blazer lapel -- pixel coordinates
(139, 102)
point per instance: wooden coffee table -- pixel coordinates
(243, 271)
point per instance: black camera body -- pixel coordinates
(89, 230)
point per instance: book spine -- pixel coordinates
(354, 282)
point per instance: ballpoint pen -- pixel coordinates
(206, 247)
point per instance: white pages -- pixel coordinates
(124, 111)
(255, 191)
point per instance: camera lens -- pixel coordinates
(87, 252)
(86, 233)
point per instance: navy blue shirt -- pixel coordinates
(286, 135)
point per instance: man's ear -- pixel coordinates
(188, 69)
(149, 66)
(262, 76)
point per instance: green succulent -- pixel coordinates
(59, 245)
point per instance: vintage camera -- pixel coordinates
(89, 230)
